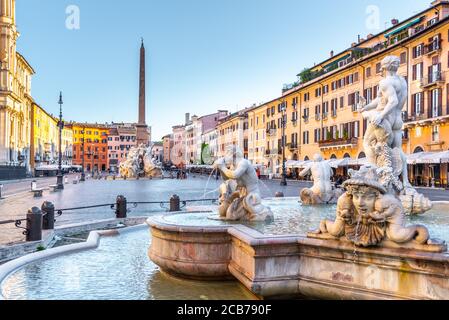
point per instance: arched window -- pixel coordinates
(347, 155)
(333, 157)
(418, 150)
(362, 155)
(295, 157)
(306, 158)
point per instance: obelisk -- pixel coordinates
(142, 128)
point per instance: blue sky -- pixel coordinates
(202, 55)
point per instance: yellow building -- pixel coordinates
(233, 130)
(44, 137)
(321, 107)
(15, 93)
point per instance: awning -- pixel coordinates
(428, 158)
(403, 27)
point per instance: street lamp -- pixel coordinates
(60, 175)
(284, 170)
(83, 174)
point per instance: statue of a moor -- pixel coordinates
(383, 138)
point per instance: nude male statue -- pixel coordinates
(322, 190)
(384, 114)
(247, 204)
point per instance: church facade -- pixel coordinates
(15, 93)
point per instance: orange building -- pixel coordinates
(90, 142)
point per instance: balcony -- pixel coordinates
(306, 119)
(325, 115)
(433, 47)
(433, 79)
(292, 146)
(271, 132)
(338, 143)
(317, 117)
(295, 122)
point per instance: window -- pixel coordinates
(368, 72)
(317, 135)
(403, 57)
(356, 77)
(435, 133)
(378, 68)
(435, 103)
(317, 112)
(305, 137)
(306, 97)
(318, 92)
(342, 102)
(418, 51)
(417, 71)
(325, 109)
(326, 89)
(417, 103)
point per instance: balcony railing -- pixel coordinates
(292, 146)
(432, 47)
(306, 119)
(338, 142)
(317, 117)
(325, 115)
(432, 79)
(271, 132)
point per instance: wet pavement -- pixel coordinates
(94, 192)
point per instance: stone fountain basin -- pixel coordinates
(296, 266)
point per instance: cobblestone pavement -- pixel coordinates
(94, 192)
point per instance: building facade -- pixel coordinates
(121, 138)
(90, 146)
(15, 93)
(44, 138)
(167, 142)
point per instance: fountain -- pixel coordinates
(139, 164)
(367, 252)
(322, 191)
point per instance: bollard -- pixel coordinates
(48, 211)
(66, 180)
(279, 195)
(1, 190)
(175, 203)
(33, 185)
(34, 224)
(121, 204)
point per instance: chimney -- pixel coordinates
(394, 22)
(369, 36)
(187, 118)
(332, 53)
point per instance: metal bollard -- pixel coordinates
(48, 211)
(33, 185)
(1, 190)
(279, 195)
(175, 203)
(34, 224)
(121, 207)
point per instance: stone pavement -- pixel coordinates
(94, 192)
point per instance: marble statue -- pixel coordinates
(322, 191)
(372, 210)
(140, 164)
(383, 137)
(240, 198)
(367, 214)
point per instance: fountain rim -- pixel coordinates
(93, 241)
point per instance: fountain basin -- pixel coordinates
(274, 266)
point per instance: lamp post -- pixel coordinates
(61, 126)
(83, 174)
(284, 170)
